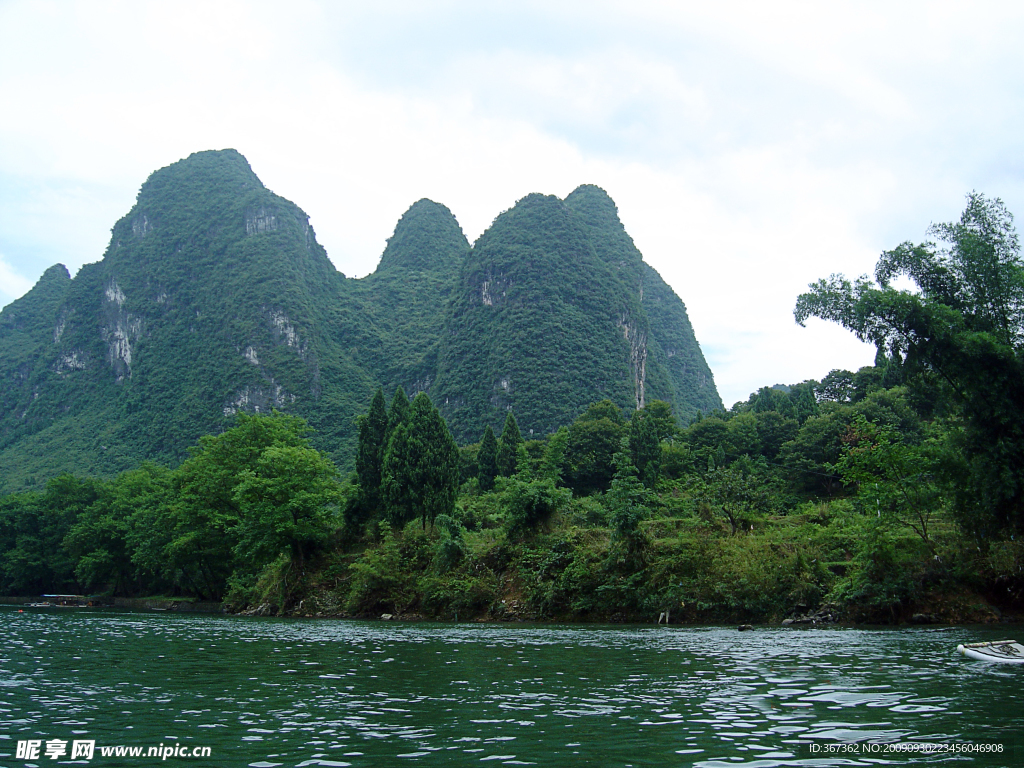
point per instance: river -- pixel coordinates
(287, 692)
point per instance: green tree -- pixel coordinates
(398, 413)
(895, 480)
(740, 496)
(436, 469)
(421, 467)
(373, 429)
(594, 439)
(287, 506)
(396, 478)
(147, 494)
(965, 325)
(627, 501)
(644, 448)
(528, 504)
(660, 412)
(98, 542)
(207, 512)
(553, 461)
(33, 527)
(508, 447)
(487, 459)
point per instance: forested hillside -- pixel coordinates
(889, 494)
(214, 298)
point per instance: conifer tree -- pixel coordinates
(508, 446)
(370, 453)
(398, 413)
(487, 460)
(396, 478)
(421, 466)
(434, 457)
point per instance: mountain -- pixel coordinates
(214, 296)
(552, 313)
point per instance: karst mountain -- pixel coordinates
(214, 297)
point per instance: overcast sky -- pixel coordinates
(752, 148)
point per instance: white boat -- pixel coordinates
(1003, 651)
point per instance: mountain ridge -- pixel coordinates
(214, 296)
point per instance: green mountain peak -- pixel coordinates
(427, 238)
(214, 297)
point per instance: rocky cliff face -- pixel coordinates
(549, 316)
(214, 297)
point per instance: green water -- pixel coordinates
(267, 692)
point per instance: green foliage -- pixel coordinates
(508, 447)
(287, 506)
(593, 441)
(644, 448)
(896, 480)
(421, 467)
(487, 459)
(528, 504)
(628, 501)
(33, 528)
(370, 451)
(385, 578)
(966, 325)
(396, 485)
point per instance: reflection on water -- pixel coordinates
(267, 693)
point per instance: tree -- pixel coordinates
(964, 325)
(33, 527)
(398, 413)
(206, 510)
(436, 468)
(287, 503)
(644, 448)
(487, 459)
(553, 462)
(741, 497)
(421, 467)
(836, 387)
(627, 501)
(594, 439)
(508, 447)
(660, 412)
(396, 488)
(373, 429)
(896, 481)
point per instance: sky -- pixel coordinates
(751, 148)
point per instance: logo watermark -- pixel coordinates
(86, 749)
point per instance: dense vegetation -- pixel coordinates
(555, 309)
(884, 494)
(214, 298)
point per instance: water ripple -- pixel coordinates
(266, 692)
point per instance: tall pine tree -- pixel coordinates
(398, 413)
(421, 466)
(396, 486)
(436, 461)
(508, 446)
(370, 453)
(487, 460)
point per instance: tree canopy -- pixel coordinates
(963, 325)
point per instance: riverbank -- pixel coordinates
(823, 565)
